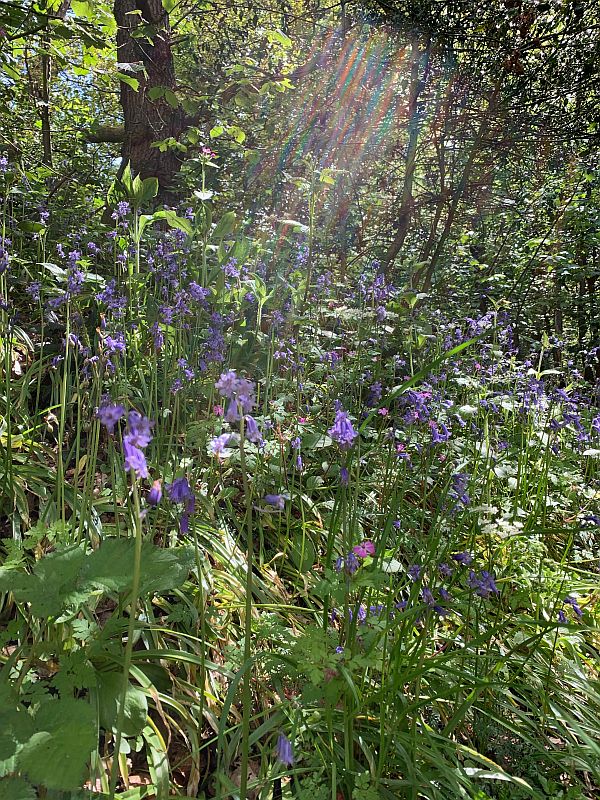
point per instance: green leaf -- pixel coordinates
(279, 37)
(16, 789)
(110, 691)
(149, 190)
(132, 82)
(53, 585)
(154, 92)
(171, 98)
(237, 133)
(175, 221)
(110, 567)
(216, 131)
(56, 755)
(225, 225)
(31, 227)
(16, 727)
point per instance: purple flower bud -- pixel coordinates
(155, 494)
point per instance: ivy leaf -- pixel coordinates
(57, 754)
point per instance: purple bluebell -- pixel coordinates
(139, 430)
(109, 414)
(285, 752)
(275, 500)
(572, 601)
(179, 491)
(251, 430)
(484, 584)
(464, 559)
(219, 443)
(342, 430)
(155, 494)
(134, 459)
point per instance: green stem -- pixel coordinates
(247, 686)
(135, 592)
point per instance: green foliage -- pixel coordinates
(387, 588)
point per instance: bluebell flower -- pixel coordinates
(155, 494)
(139, 431)
(251, 430)
(134, 459)
(572, 601)
(275, 500)
(109, 414)
(285, 752)
(464, 558)
(342, 430)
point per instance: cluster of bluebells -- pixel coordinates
(112, 299)
(342, 431)
(75, 279)
(241, 395)
(137, 436)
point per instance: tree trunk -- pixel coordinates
(460, 189)
(147, 121)
(406, 200)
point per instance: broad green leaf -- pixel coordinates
(174, 221)
(31, 227)
(16, 728)
(280, 37)
(132, 82)
(56, 756)
(216, 131)
(171, 98)
(16, 789)
(225, 225)
(53, 586)
(110, 692)
(154, 92)
(110, 567)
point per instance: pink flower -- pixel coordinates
(383, 412)
(364, 549)
(218, 411)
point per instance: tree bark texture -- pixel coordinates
(147, 121)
